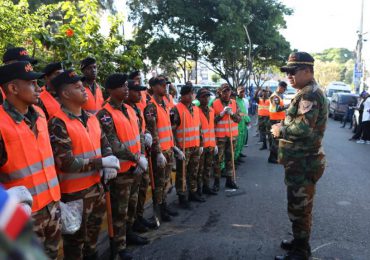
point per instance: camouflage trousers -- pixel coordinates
(47, 226)
(300, 202)
(143, 189)
(205, 166)
(83, 243)
(224, 155)
(274, 142)
(124, 192)
(192, 158)
(263, 127)
(133, 200)
(162, 177)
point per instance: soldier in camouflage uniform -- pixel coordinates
(263, 120)
(125, 188)
(192, 154)
(300, 150)
(71, 94)
(161, 158)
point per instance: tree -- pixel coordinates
(215, 30)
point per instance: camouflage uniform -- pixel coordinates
(47, 220)
(83, 242)
(162, 176)
(224, 146)
(192, 158)
(301, 153)
(124, 189)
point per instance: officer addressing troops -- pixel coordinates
(94, 93)
(83, 156)
(277, 114)
(48, 97)
(300, 150)
(157, 119)
(210, 149)
(26, 157)
(227, 117)
(188, 146)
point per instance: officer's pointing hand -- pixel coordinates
(275, 130)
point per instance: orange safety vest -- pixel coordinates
(164, 127)
(51, 104)
(142, 103)
(263, 107)
(169, 101)
(274, 115)
(30, 159)
(127, 132)
(191, 123)
(85, 145)
(222, 128)
(93, 103)
(208, 128)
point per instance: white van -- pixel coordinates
(335, 87)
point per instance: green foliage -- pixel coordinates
(213, 30)
(215, 78)
(340, 55)
(68, 31)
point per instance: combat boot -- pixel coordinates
(216, 185)
(93, 256)
(289, 246)
(147, 223)
(125, 255)
(230, 183)
(134, 239)
(184, 203)
(164, 215)
(264, 146)
(170, 211)
(207, 190)
(194, 196)
(139, 227)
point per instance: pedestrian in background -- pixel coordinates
(366, 123)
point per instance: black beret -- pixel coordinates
(66, 77)
(134, 74)
(115, 80)
(18, 54)
(203, 92)
(296, 60)
(51, 67)
(18, 70)
(132, 85)
(186, 90)
(86, 62)
(153, 81)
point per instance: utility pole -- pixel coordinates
(359, 66)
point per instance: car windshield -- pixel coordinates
(332, 91)
(347, 99)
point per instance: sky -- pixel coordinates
(316, 25)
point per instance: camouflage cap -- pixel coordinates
(296, 60)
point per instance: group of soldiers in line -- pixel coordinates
(64, 142)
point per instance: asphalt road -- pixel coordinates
(251, 224)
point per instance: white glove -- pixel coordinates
(200, 150)
(110, 161)
(216, 150)
(229, 111)
(109, 174)
(161, 160)
(21, 194)
(26, 208)
(143, 162)
(148, 140)
(224, 111)
(179, 154)
(138, 170)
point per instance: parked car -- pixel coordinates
(336, 87)
(339, 104)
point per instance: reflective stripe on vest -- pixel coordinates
(31, 163)
(274, 115)
(127, 132)
(222, 127)
(93, 103)
(85, 145)
(51, 104)
(164, 127)
(192, 124)
(208, 128)
(263, 107)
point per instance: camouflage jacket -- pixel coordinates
(61, 144)
(305, 123)
(119, 149)
(30, 119)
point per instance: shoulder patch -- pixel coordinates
(304, 106)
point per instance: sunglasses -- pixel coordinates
(293, 72)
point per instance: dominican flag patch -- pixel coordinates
(12, 216)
